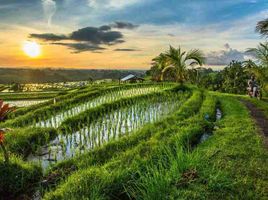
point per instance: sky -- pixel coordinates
(126, 34)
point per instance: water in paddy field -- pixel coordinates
(205, 136)
(57, 119)
(218, 114)
(109, 126)
(24, 103)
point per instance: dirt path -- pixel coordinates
(260, 119)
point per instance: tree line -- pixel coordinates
(182, 66)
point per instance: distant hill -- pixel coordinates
(23, 75)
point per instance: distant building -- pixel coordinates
(131, 79)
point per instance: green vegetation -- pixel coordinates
(180, 155)
(112, 182)
(22, 141)
(46, 112)
(175, 61)
(143, 141)
(18, 177)
(232, 163)
(26, 75)
(29, 95)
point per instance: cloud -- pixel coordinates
(49, 7)
(126, 49)
(93, 35)
(224, 57)
(96, 36)
(80, 47)
(105, 28)
(112, 4)
(88, 38)
(49, 37)
(123, 25)
(227, 46)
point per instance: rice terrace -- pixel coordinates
(192, 123)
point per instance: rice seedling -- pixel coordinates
(112, 124)
(25, 103)
(71, 104)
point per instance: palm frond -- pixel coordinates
(262, 27)
(196, 55)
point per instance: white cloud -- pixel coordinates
(112, 4)
(49, 7)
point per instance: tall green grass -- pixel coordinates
(18, 177)
(23, 141)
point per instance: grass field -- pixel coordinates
(136, 141)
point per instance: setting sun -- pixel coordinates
(31, 49)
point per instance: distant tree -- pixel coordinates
(89, 80)
(211, 80)
(235, 78)
(262, 27)
(16, 87)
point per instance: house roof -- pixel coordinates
(128, 77)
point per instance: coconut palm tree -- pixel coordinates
(262, 27)
(260, 66)
(179, 61)
(261, 54)
(159, 63)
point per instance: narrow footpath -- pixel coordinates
(260, 119)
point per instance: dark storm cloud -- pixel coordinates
(92, 35)
(80, 47)
(96, 35)
(49, 37)
(105, 28)
(224, 57)
(89, 38)
(123, 25)
(126, 50)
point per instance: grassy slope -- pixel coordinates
(17, 177)
(233, 163)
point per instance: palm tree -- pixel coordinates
(262, 27)
(261, 54)
(159, 63)
(194, 74)
(260, 66)
(179, 61)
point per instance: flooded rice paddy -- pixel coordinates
(107, 127)
(55, 120)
